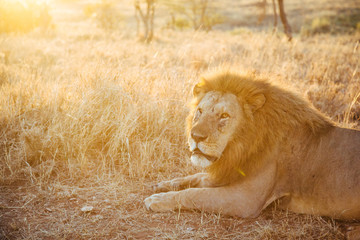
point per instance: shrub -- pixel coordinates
(213, 19)
(178, 23)
(241, 31)
(343, 22)
(321, 25)
(201, 14)
(105, 14)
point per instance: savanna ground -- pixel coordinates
(93, 118)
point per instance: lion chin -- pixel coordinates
(200, 161)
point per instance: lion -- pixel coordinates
(258, 143)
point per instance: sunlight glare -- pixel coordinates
(27, 2)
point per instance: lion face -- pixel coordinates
(215, 120)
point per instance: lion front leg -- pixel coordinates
(225, 200)
(244, 199)
(198, 180)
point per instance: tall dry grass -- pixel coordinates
(80, 105)
(99, 120)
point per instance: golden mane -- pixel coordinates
(266, 126)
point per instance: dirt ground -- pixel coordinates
(56, 212)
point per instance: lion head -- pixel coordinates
(215, 121)
(237, 119)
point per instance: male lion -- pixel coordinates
(260, 143)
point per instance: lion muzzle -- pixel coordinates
(197, 151)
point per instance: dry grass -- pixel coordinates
(92, 118)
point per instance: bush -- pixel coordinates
(213, 19)
(105, 14)
(343, 22)
(199, 14)
(178, 23)
(182, 23)
(23, 18)
(321, 25)
(241, 31)
(316, 26)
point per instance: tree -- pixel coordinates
(147, 18)
(287, 28)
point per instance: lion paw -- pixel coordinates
(161, 202)
(171, 185)
(164, 186)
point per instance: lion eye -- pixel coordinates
(197, 114)
(224, 116)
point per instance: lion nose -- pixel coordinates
(198, 137)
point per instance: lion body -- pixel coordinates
(261, 143)
(323, 178)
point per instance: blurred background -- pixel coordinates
(306, 17)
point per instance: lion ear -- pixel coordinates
(198, 88)
(257, 101)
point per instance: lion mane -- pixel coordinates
(267, 126)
